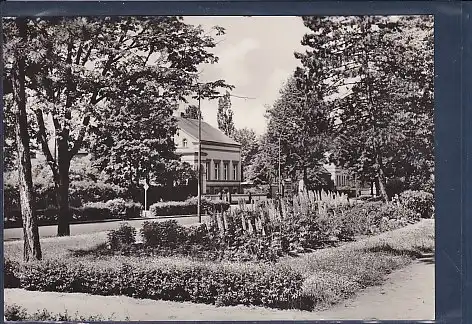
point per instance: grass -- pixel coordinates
(330, 275)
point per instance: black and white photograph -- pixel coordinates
(218, 168)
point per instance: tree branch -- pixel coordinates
(43, 140)
(80, 137)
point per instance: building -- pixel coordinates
(341, 178)
(220, 155)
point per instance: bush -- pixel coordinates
(123, 236)
(85, 191)
(176, 280)
(168, 234)
(10, 269)
(375, 217)
(420, 202)
(94, 211)
(188, 207)
(124, 209)
(17, 313)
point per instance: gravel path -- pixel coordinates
(408, 294)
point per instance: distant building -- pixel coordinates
(341, 178)
(221, 155)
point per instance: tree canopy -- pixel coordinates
(378, 76)
(119, 77)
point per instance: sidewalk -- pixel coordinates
(408, 294)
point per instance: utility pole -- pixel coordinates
(199, 202)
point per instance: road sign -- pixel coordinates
(146, 186)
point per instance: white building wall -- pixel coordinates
(212, 154)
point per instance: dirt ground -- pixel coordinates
(408, 294)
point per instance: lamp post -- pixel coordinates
(199, 190)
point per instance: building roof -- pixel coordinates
(209, 133)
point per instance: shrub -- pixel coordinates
(17, 313)
(168, 234)
(188, 207)
(94, 211)
(420, 202)
(176, 280)
(123, 209)
(123, 236)
(10, 269)
(375, 217)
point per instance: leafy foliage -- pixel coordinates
(192, 111)
(222, 284)
(123, 236)
(17, 313)
(418, 201)
(116, 78)
(379, 84)
(249, 147)
(299, 122)
(188, 207)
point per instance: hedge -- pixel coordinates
(170, 279)
(188, 207)
(112, 209)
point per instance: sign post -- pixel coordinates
(146, 187)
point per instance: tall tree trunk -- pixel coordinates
(32, 247)
(62, 189)
(381, 180)
(382, 185)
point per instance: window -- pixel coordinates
(225, 171)
(184, 142)
(207, 170)
(217, 170)
(235, 171)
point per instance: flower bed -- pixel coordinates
(311, 281)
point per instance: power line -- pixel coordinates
(242, 97)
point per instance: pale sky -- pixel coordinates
(256, 56)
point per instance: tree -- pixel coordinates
(299, 121)
(192, 111)
(379, 77)
(225, 114)
(16, 52)
(82, 70)
(263, 170)
(249, 146)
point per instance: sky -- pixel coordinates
(256, 56)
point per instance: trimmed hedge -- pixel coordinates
(188, 207)
(170, 279)
(420, 202)
(96, 211)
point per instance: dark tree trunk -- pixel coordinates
(32, 247)
(382, 185)
(381, 180)
(62, 189)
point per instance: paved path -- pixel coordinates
(12, 234)
(408, 294)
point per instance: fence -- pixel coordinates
(236, 198)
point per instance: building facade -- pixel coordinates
(220, 155)
(341, 178)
